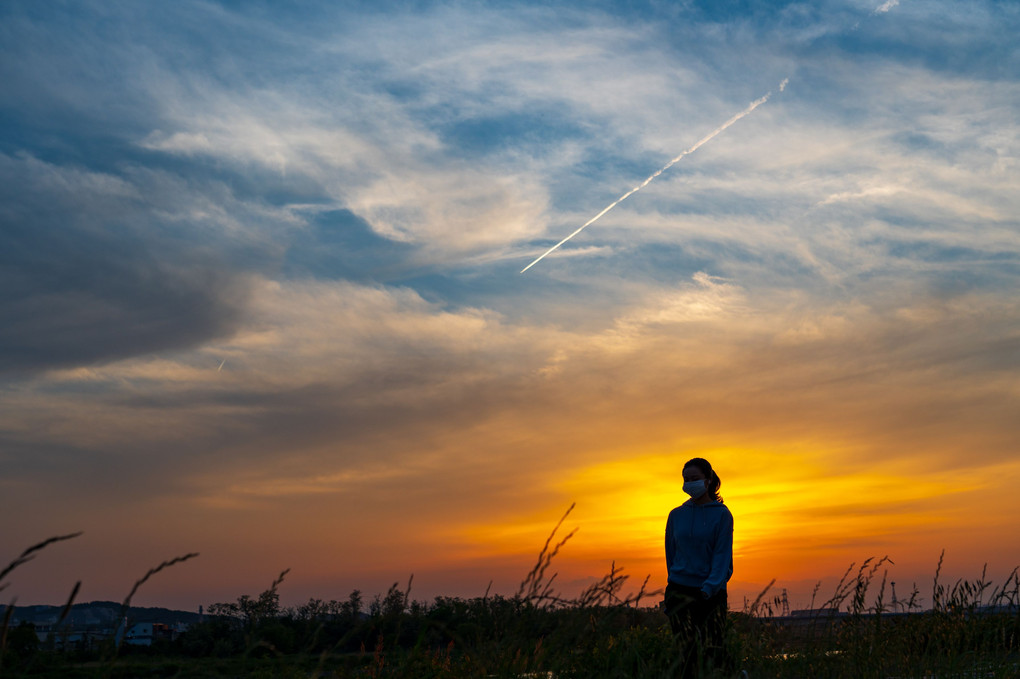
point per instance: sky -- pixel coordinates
(262, 296)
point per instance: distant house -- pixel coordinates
(144, 633)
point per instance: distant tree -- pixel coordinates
(264, 607)
(395, 602)
(315, 609)
(352, 607)
(225, 610)
(250, 610)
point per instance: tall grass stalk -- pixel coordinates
(126, 607)
(29, 554)
(22, 559)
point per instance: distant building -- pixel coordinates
(65, 638)
(144, 633)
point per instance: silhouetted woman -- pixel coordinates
(699, 558)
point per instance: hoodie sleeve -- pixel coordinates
(670, 542)
(722, 557)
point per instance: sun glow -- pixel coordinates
(791, 508)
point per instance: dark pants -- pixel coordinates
(699, 626)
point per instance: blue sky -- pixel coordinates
(336, 199)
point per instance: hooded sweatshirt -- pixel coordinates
(699, 546)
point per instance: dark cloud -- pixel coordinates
(91, 275)
(107, 250)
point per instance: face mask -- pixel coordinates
(695, 488)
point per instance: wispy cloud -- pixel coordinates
(886, 6)
(701, 142)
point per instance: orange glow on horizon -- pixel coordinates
(793, 511)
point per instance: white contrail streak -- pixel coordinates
(222, 363)
(711, 135)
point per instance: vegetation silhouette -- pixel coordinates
(972, 629)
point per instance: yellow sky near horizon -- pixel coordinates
(793, 512)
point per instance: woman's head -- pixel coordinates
(699, 469)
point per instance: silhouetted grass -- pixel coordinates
(971, 631)
(22, 559)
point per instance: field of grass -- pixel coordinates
(971, 631)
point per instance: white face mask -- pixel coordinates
(695, 488)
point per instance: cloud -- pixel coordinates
(374, 130)
(89, 277)
(347, 377)
(886, 6)
(710, 301)
(369, 133)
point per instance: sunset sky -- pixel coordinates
(261, 297)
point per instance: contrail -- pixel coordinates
(711, 135)
(221, 365)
